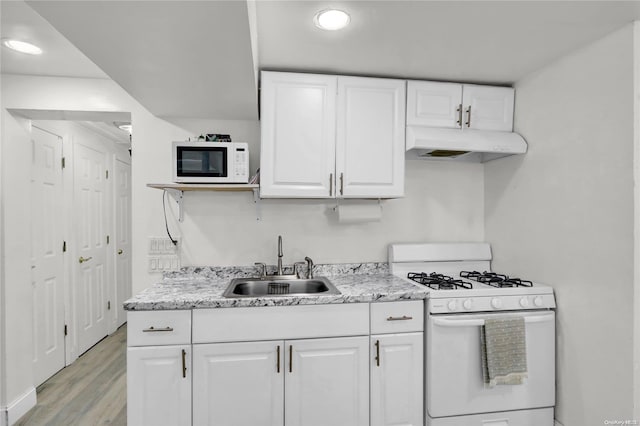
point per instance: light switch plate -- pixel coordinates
(163, 245)
(163, 263)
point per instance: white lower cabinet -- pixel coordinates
(295, 382)
(327, 382)
(397, 379)
(159, 385)
(239, 384)
(209, 366)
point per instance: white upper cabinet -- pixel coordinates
(434, 104)
(331, 136)
(461, 106)
(370, 137)
(298, 135)
(488, 108)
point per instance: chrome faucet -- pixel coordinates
(309, 267)
(279, 272)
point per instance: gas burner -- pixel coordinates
(495, 280)
(438, 281)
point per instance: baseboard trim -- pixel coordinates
(18, 408)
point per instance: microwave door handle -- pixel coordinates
(443, 322)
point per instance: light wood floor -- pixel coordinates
(91, 391)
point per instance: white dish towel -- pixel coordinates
(504, 351)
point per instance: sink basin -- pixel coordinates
(259, 287)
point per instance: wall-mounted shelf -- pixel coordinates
(176, 190)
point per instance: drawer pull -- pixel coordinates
(153, 329)
(402, 318)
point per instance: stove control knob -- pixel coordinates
(467, 304)
(537, 301)
(524, 302)
(496, 303)
(451, 305)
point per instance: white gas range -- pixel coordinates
(463, 296)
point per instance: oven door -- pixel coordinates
(454, 367)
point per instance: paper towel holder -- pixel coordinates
(335, 208)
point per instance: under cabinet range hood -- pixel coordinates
(461, 145)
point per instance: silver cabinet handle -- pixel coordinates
(468, 123)
(153, 329)
(377, 353)
(184, 363)
(290, 358)
(459, 111)
(278, 359)
(341, 183)
(402, 318)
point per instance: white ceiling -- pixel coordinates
(196, 58)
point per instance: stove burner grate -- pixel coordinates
(495, 280)
(438, 281)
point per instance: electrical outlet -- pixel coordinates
(162, 246)
(163, 263)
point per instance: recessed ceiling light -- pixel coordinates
(22, 46)
(331, 19)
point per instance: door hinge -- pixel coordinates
(64, 246)
(64, 164)
(65, 329)
(106, 172)
(107, 239)
(108, 305)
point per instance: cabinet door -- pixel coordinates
(239, 384)
(491, 107)
(397, 379)
(159, 385)
(434, 104)
(327, 382)
(297, 135)
(370, 137)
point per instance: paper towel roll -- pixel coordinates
(359, 213)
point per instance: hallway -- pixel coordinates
(91, 391)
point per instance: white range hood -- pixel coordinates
(461, 145)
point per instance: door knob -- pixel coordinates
(84, 259)
(120, 251)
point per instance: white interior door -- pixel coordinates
(90, 247)
(123, 237)
(47, 267)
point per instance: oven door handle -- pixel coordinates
(443, 322)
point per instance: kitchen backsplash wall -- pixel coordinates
(443, 202)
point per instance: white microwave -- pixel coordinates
(210, 162)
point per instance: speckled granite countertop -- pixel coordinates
(194, 288)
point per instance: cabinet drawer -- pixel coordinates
(397, 317)
(147, 328)
(279, 322)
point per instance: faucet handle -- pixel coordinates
(264, 268)
(295, 268)
(309, 267)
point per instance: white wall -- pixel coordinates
(563, 214)
(46, 93)
(444, 202)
